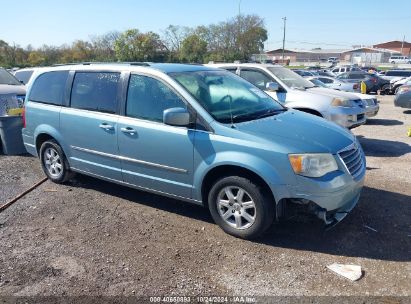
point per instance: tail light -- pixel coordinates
(355, 86)
(24, 117)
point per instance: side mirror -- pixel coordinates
(272, 86)
(176, 117)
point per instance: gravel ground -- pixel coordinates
(90, 237)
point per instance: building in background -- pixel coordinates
(403, 47)
(359, 55)
(367, 55)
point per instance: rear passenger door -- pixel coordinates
(89, 124)
(154, 155)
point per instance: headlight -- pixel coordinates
(403, 90)
(342, 102)
(312, 165)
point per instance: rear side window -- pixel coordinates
(95, 91)
(49, 88)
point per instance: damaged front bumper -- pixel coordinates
(330, 198)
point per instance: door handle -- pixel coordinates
(128, 130)
(106, 126)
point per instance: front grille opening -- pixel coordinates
(352, 159)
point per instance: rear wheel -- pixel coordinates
(240, 207)
(54, 162)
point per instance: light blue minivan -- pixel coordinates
(195, 133)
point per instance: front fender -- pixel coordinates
(262, 168)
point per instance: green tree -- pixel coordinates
(35, 58)
(135, 46)
(103, 46)
(193, 49)
(235, 39)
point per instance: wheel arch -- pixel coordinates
(44, 133)
(225, 170)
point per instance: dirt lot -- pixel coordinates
(94, 238)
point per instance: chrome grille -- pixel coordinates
(352, 158)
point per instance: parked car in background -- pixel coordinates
(194, 133)
(326, 73)
(343, 69)
(396, 84)
(371, 103)
(373, 82)
(336, 84)
(24, 75)
(296, 92)
(403, 96)
(396, 75)
(368, 69)
(305, 73)
(399, 59)
(333, 59)
(12, 92)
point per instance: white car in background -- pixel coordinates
(370, 101)
(336, 84)
(344, 69)
(397, 83)
(399, 59)
(296, 92)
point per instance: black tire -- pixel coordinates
(385, 89)
(62, 173)
(263, 211)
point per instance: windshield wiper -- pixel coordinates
(271, 112)
(258, 115)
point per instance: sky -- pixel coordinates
(310, 24)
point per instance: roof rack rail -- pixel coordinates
(137, 63)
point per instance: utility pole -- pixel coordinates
(239, 8)
(402, 45)
(285, 20)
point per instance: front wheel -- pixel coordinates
(241, 207)
(54, 162)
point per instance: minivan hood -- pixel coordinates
(6, 89)
(333, 93)
(299, 132)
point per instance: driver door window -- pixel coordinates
(148, 97)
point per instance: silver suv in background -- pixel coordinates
(296, 92)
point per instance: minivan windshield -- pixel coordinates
(290, 78)
(227, 97)
(7, 78)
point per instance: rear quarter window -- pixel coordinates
(49, 88)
